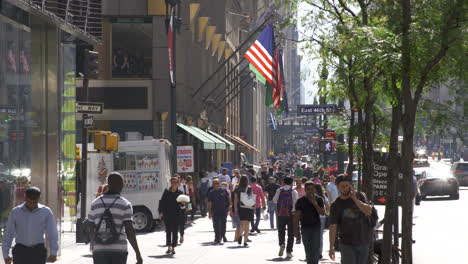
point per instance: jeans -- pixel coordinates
(323, 219)
(110, 257)
(27, 255)
(258, 215)
(311, 240)
(219, 226)
(172, 233)
(202, 205)
(283, 223)
(354, 254)
(272, 213)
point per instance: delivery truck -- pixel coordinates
(145, 166)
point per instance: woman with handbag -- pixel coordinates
(244, 205)
(170, 212)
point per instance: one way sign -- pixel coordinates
(89, 108)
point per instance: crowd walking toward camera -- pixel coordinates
(298, 205)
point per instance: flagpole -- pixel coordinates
(172, 23)
(232, 55)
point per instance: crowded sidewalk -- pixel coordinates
(198, 247)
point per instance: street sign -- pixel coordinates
(89, 108)
(316, 109)
(88, 122)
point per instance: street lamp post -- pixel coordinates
(173, 26)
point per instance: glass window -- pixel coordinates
(132, 48)
(15, 115)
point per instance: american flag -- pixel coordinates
(263, 56)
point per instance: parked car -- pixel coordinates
(438, 183)
(459, 170)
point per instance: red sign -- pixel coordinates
(330, 134)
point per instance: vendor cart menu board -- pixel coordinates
(135, 181)
(129, 161)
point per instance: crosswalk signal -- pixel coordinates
(91, 64)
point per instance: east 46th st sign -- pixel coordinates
(316, 109)
(89, 108)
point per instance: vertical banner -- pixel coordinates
(185, 159)
(170, 45)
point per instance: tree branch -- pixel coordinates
(452, 20)
(335, 14)
(345, 7)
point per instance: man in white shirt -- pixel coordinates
(235, 180)
(224, 177)
(332, 189)
(213, 173)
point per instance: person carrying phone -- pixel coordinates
(349, 215)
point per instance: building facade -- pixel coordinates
(37, 101)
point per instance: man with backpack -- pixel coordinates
(285, 200)
(354, 218)
(219, 204)
(111, 225)
(203, 186)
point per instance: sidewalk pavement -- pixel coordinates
(198, 248)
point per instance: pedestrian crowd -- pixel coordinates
(295, 202)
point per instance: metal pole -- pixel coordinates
(232, 55)
(80, 226)
(173, 94)
(238, 92)
(225, 77)
(230, 92)
(240, 73)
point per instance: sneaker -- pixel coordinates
(281, 251)
(289, 255)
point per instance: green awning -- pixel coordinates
(219, 143)
(231, 146)
(207, 143)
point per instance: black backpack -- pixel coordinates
(106, 232)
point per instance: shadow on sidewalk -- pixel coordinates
(280, 259)
(164, 256)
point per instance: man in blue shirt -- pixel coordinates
(28, 223)
(219, 205)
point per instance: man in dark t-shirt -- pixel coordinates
(308, 211)
(349, 213)
(270, 191)
(219, 204)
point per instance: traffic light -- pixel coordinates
(91, 64)
(77, 153)
(106, 141)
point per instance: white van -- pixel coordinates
(146, 170)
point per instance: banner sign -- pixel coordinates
(185, 159)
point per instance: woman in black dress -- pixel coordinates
(170, 212)
(245, 214)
